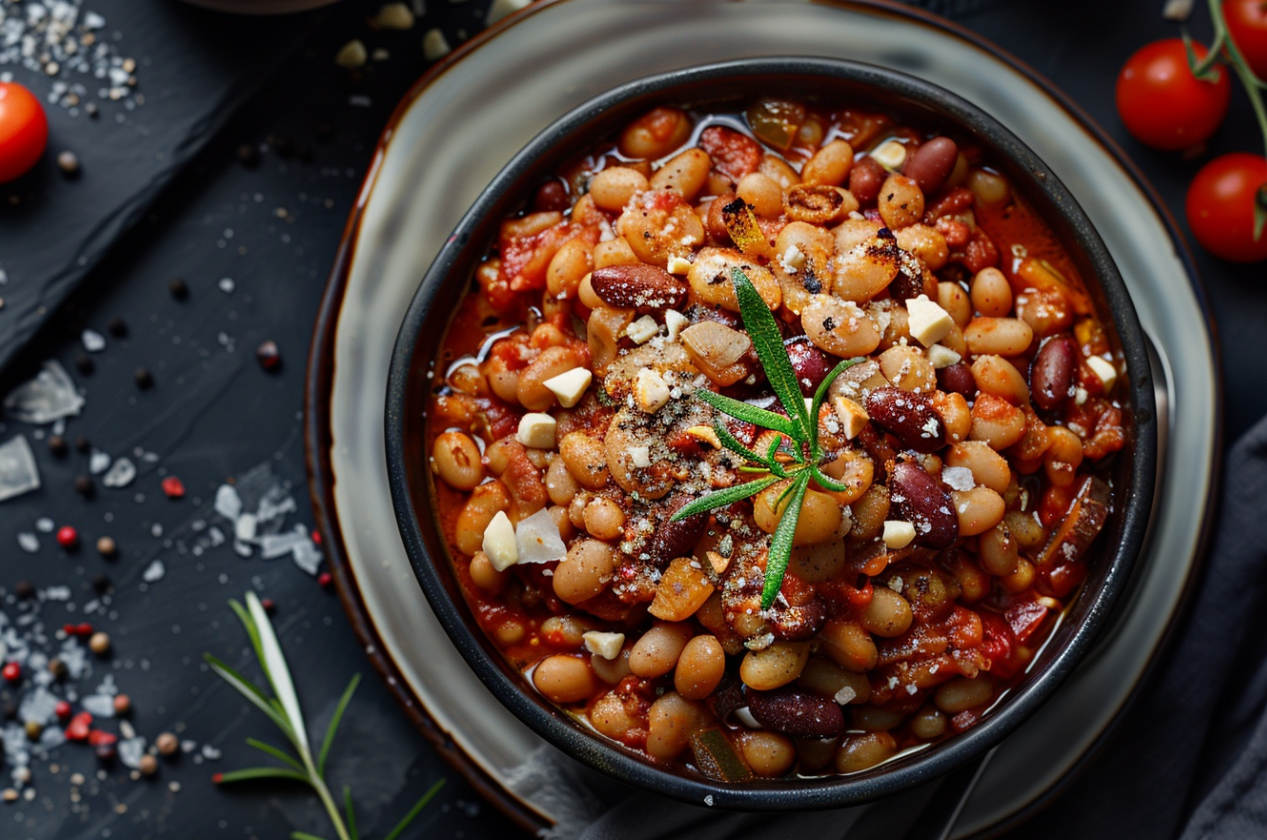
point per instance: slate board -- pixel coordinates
(195, 67)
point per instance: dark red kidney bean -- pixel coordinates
(797, 624)
(551, 196)
(908, 416)
(1051, 376)
(923, 503)
(801, 714)
(865, 180)
(957, 379)
(810, 364)
(646, 288)
(932, 164)
(678, 539)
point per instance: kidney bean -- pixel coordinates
(1051, 376)
(923, 503)
(678, 539)
(957, 379)
(646, 288)
(798, 713)
(551, 196)
(932, 163)
(909, 416)
(799, 623)
(810, 364)
(865, 180)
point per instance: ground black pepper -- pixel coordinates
(84, 486)
(57, 446)
(178, 288)
(143, 378)
(84, 364)
(117, 327)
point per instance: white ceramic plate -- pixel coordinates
(467, 118)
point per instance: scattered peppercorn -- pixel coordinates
(269, 357)
(12, 672)
(9, 710)
(34, 729)
(248, 155)
(117, 327)
(82, 444)
(99, 643)
(269, 605)
(143, 378)
(79, 727)
(68, 163)
(148, 765)
(84, 364)
(91, 110)
(101, 581)
(324, 580)
(122, 705)
(57, 667)
(106, 548)
(106, 753)
(10, 795)
(84, 486)
(57, 446)
(62, 709)
(173, 487)
(24, 589)
(179, 290)
(67, 537)
(167, 744)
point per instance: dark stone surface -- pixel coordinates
(214, 414)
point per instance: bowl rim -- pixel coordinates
(833, 791)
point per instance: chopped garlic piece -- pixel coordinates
(793, 259)
(570, 386)
(606, 645)
(499, 542)
(679, 265)
(853, 417)
(929, 323)
(1080, 395)
(675, 321)
(1104, 370)
(943, 357)
(641, 456)
(898, 534)
(890, 154)
(846, 696)
(537, 539)
(642, 330)
(536, 431)
(650, 390)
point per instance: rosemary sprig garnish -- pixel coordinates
(284, 711)
(1225, 51)
(796, 436)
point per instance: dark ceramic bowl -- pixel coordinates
(717, 86)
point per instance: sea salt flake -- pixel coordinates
(93, 341)
(154, 572)
(228, 503)
(47, 397)
(28, 542)
(226, 285)
(210, 753)
(273, 546)
(45, 525)
(120, 474)
(307, 557)
(98, 462)
(98, 705)
(131, 751)
(18, 471)
(38, 706)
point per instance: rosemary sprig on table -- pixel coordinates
(283, 710)
(794, 455)
(1225, 51)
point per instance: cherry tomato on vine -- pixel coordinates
(1220, 207)
(1162, 104)
(1247, 24)
(23, 130)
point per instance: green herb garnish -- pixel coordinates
(802, 456)
(283, 710)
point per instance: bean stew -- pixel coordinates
(968, 448)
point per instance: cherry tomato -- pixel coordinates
(1247, 24)
(23, 130)
(1220, 207)
(1162, 104)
